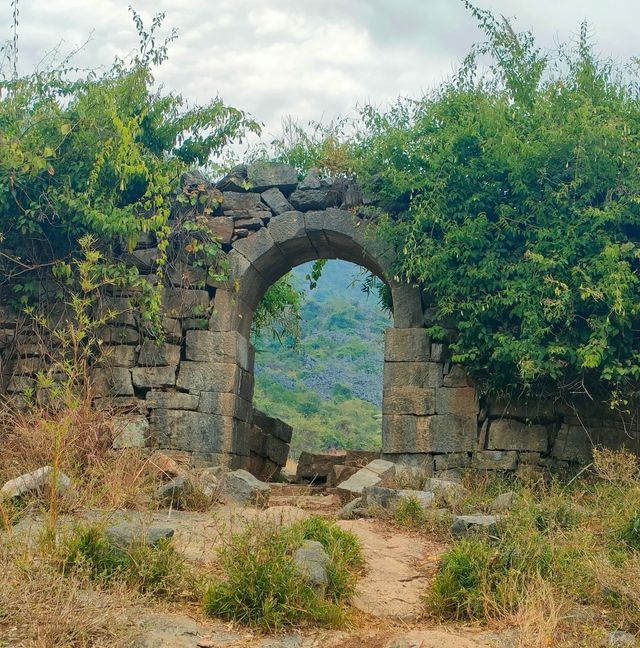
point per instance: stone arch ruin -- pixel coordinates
(193, 393)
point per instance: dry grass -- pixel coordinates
(79, 439)
(39, 608)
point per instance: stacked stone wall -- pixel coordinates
(193, 392)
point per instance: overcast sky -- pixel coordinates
(314, 59)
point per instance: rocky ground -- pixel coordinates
(387, 610)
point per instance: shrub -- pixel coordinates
(261, 586)
(409, 512)
(155, 570)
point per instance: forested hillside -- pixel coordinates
(329, 385)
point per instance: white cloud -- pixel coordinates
(311, 60)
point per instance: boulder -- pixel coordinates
(33, 482)
(125, 534)
(311, 561)
(242, 487)
(464, 525)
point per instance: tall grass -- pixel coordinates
(577, 542)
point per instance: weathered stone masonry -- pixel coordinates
(194, 392)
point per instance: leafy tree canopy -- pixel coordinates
(513, 195)
(96, 153)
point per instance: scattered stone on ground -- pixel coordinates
(348, 511)
(464, 525)
(173, 493)
(503, 502)
(389, 498)
(242, 487)
(125, 534)
(373, 474)
(167, 465)
(34, 481)
(449, 492)
(311, 561)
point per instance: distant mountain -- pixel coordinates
(330, 386)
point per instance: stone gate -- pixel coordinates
(193, 393)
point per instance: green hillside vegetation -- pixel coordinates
(328, 383)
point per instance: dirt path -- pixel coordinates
(398, 569)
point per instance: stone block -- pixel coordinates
(572, 444)
(119, 335)
(119, 355)
(460, 401)
(21, 384)
(372, 474)
(112, 381)
(181, 302)
(430, 434)
(225, 404)
(34, 481)
(192, 431)
(317, 466)
(273, 426)
(131, 431)
(214, 346)
(466, 525)
(388, 498)
(533, 410)
(277, 450)
(172, 329)
(28, 366)
(509, 434)
(221, 227)
(116, 311)
(257, 441)
(452, 460)
(247, 381)
(264, 255)
(340, 473)
(407, 345)
(417, 374)
(276, 201)
(438, 352)
(208, 376)
(495, 460)
(151, 377)
(144, 259)
(314, 199)
(153, 354)
(183, 275)
(172, 400)
(418, 401)
(263, 175)
(237, 201)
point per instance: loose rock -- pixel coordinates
(123, 535)
(503, 502)
(448, 491)
(464, 525)
(242, 487)
(34, 481)
(311, 561)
